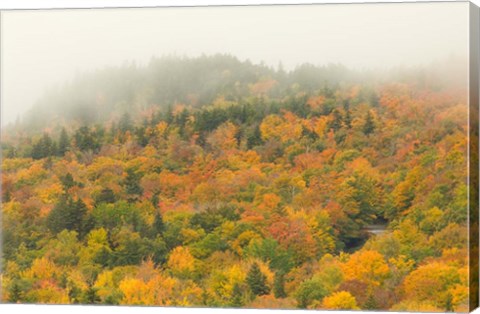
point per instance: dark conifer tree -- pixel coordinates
(158, 224)
(43, 148)
(67, 182)
(91, 296)
(347, 120)
(256, 281)
(237, 296)
(279, 285)
(255, 138)
(132, 183)
(155, 200)
(337, 121)
(125, 123)
(369, 125)
(67, 214)
(85, 139)
(15, 293)
(106, 196)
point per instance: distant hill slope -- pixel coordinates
(110, 92)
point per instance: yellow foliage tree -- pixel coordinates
(222, 282)
(50, 194)
(181, 262)
(275, 127)
(368, 267)
(436, 283)
(320, 126)
(47, 292)
(341, 300)
(42, 269)
(136, 292)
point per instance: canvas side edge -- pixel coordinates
(473, 168)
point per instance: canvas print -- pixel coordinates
(320, 157)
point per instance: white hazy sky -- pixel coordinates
(40, 49)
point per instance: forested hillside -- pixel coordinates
(215, 182)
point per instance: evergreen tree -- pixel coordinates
(158, 224)
(76, 215)
(155, 200)
(7, 196)
(74, 292)
(37, 151)
(90, 296)
(125, 123)
(256, 281)
(181, 120)
(85, 139)
(336, 123)
(370, 303)
(63, 143)
(168, 115)
(255, 138)
(67, 182)
(369, 125)
(88, 224)
(106, 196)
(237, 297)
(45, 147)
(55, 220)
(15, 293)
(279, 285)
(307, 134)
(347, 120)
(142, 138)
(449, 303)
(132, 183)
(67, 214)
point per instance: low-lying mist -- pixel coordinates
(105, 94)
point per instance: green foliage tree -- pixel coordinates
(337, 120)
(347, 120)
(310, 290)
(270, 251)
(256, 281)
(158, 225)
(67, 214)
(45, 147)
(107, 196)
(63, 142)
(132, 183)
(86, 139)
(15, 292)
(67, 182)
(237, 296)
(279, 285)
(90, 296)
(369, 125)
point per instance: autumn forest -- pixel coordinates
(215, 182)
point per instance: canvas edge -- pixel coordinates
(473, 167)
(56, 5)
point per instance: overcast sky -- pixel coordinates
(40, 49)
